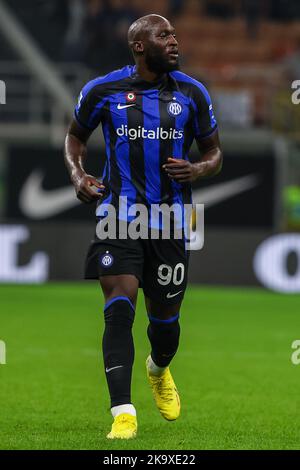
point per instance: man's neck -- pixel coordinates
(146, 74)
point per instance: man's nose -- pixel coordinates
(173, 40)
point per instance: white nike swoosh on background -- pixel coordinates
(122, 106)
(220, 192)
(116, 367)
(38, 203)
(169, 295)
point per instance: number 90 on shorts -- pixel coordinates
(166, 274)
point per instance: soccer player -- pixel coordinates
(150, 113)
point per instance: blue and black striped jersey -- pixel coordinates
(143, 124)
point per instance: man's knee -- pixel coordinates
(121, 285)
(162, 311)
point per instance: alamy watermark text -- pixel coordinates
(2, 92)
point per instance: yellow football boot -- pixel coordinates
(165, 394)
(123, 427)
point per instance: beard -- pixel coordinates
(159, 64)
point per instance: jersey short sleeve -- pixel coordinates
(204, 120)
(88, 111)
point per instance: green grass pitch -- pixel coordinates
(238, 386)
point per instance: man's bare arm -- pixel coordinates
(75, 155)
(210, 163)
(212, 157)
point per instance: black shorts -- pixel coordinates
(160, 265)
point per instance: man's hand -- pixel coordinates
(184, 171)
(88, 188)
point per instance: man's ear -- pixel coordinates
(138, 47)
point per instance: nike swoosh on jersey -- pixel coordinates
(169, 295)
(122, 106)
(38, 203)
(112, 368)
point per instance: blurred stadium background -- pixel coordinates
(248, 54)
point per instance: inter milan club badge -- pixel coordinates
(174, 108)
(130, 97)
(107, 259)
